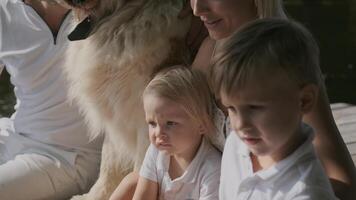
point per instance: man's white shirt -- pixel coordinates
(34, 58)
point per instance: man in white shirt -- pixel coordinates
(45, 152)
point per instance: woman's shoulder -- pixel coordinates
(203, 57)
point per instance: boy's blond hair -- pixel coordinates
(266, 46)
(189, 88)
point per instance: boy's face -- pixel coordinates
(266, 114)
(171, 129)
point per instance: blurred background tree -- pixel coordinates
(333, 23)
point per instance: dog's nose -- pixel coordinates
(78, 2)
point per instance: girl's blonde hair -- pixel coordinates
(189, 88)
(270, 8)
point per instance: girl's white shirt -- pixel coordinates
(199, 181)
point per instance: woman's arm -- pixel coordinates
(332, 150)
(146, 190)
(203, 57)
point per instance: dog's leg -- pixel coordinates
(111, 174)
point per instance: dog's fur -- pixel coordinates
(130, 40)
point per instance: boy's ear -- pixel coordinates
(308, 97)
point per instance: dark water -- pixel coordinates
(333, 23)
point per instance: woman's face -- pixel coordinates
(223, 17)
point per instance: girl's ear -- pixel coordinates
(308, 97)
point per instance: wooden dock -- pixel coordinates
(345, 117)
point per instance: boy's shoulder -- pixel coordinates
(312, 182)
(304, 174)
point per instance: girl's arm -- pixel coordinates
(332, 150)
(147, 186)
(146, 190)
(126, 188)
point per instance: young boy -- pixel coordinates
(268, 77)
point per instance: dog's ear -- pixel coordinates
(82, 30)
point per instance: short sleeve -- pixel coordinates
(210, 181)
(149, 166)
(210, 186)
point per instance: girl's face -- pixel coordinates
(171, 129)
(223, 17)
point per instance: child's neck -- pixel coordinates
(177, 167)
(179, 163)
(264, 162)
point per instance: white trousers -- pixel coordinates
(31, 175)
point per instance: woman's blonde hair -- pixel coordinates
(189, 88)
(270, 8)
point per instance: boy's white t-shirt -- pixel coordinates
(299, 176)
(199, 181)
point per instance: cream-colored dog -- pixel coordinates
(129, 41)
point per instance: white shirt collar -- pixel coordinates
(283, 165)
(191, 173)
